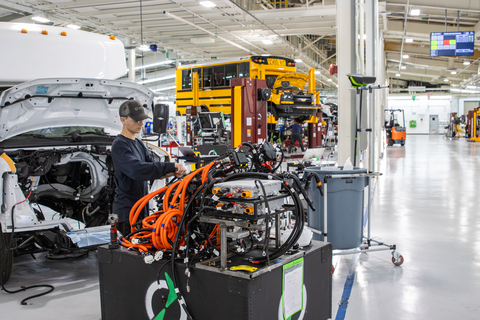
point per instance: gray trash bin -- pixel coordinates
(345, 207)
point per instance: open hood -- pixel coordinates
(59, 102)
(295, 79)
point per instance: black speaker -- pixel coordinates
(160, 118)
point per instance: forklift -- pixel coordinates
(396, 132)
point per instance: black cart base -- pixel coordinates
(129, 288)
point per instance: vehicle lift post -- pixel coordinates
(315, 131)
(475, 124)
(249, 111)
(193, 110)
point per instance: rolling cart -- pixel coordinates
(360, 83)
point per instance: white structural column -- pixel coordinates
(131, 61)
(346, 41)
(361, 38)
(382, 95)
(371, 20)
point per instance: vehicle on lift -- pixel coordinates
(289, 99)
(395, 126)
(55, 144)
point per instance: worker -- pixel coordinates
(297, 135)
(134, 166)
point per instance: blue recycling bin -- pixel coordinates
(345, 206)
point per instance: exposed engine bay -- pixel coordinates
(77, 183)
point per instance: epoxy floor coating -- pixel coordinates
(425, 203)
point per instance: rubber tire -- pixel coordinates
(398, 263)
(390, 142)
(204, 108)
(6, 257)
(402, 144)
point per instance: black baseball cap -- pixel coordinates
(134, 110)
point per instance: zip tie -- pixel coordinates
(163, 225)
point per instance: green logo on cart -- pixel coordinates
(152, 296)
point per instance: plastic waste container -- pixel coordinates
(345, 207)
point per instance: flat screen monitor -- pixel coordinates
(211, 120)
(458, 43)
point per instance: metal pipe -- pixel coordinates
(403, 36)
(131, 61)
(224, 30)
(170, 15)
(431, 7)
(445, 20)
(325, 220)
(357, 54)
(223, 244)
(458, 20)
(362, 40)
(313, 62)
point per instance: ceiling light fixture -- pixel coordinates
(155, 64)
(40, 19)
(397, 75)
(165, 89)
(446, 80)
(415, 12)
(144, 47)
(409, 40)
(403, 67)
(73, 26)
(298, 60)
(453, 72)
(157, 79)
(208, 4)
(329, 80)
(466, 63)
(406, 56)
(266, 41)
(317, 71)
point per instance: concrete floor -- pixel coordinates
(425, 203)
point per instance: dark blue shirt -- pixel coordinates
(133, 168)
(296, 128)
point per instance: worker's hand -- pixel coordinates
(168, 175)
(180, 170)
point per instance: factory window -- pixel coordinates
(231, 72)
(186, 79)
(219, 73)
(207, 77)
(271, 80)
(244, 70)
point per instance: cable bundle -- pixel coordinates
(158, 231)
